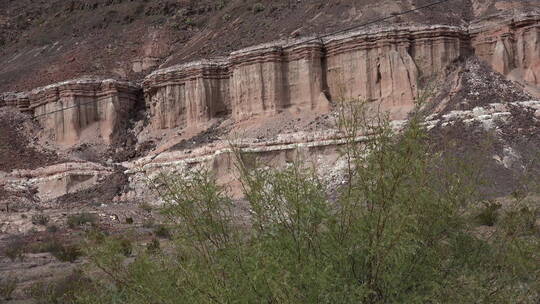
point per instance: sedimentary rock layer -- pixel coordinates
(512, 48)
(386, 66)
(56, 180)
(70, 109)
(380, 65)
(188, 95)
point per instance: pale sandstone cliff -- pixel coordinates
(512, 48)
(386, 66)
(70, 110)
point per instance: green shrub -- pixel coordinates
(146, 207)
(7, 287)
(153, 247)
(126, 247)
(52, 229)
(40, 219)
(149, 223)
(220, 4)
(15, 249)
(520, 221)
(77, 220)
(162, 231)
(258, 7)
(489, 214)
(62, 252)
(398, 232)
(67, 253)
(65, 290)
(189, 21)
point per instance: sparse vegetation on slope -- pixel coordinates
(402, 230)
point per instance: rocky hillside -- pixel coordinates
(101, 95)
(44, 42)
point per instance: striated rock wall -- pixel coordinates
(511, 48)
(385, 66)
(74, 109)
(56, 180)
(189, 95)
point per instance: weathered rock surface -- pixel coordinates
(278, 101)
(512, 48)
(385, 66)
(90, 109)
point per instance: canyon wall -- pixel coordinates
(511, 48)
(386, 66)
(89, 109)
(187, 95)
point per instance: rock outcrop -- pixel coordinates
(71, 110)
(386, 66)
(382, 65)
(187, 95)
(511, 48)
(57, 180)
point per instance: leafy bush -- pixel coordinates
(398, 232)
(220, 4)
(77, 220)
(40, 219)
(62, 252)
(162, 231)
(189, 21)
(146, 207)
(67, 253)
(52, 228)
(153, 247)
(7, 287)
(258, 7)
(65, 290)
(126, 247)
(149, 223)
(15, 249)
(489, 214)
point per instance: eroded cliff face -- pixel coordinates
(187, 96)
(87, 110)
(511, 48)
(384, 66)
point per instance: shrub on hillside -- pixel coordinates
(7, 287)
(77, 220)
(15, 249)
(40, 219)
(398, 232)
(488, 214)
